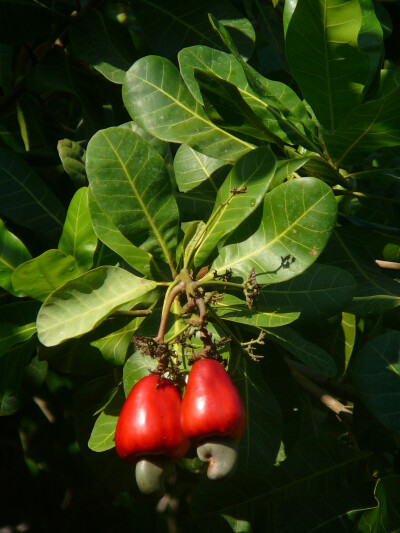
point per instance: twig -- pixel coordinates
(181, 287)
(43, 407)
(391, 265)
(133, 313)
(343, 413)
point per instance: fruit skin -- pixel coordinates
(149, 422)
(211, 406)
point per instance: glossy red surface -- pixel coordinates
(149, 422)
(211, 405)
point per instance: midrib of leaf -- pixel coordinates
(45, 274)
(106, 303)
(12, 176)
(243, 258)
(21, 330)
(256, 314)
(362, 272)
(363, 134)
(204, 170)
(390, 365)
(6, 263)
(194, 114)
(179, 20)
(295, 482)
(328, 73)
(144, 208)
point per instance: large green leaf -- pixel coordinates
(376, 377)
(130, 183)
(78, 237)
(72, 157)
(102, 43)
(26, 200)
(191, 168)
(376, 288)
(318, 468)
(18, 323)
(234, 309)
(185, 23)
(110, 235)
(321, 291)
(277, 106)
(253, 174)
(386, 516)
(323, 55)
(259, 446)
(83, 303)
(157, 98)
(296, 222)
(44, 274)
(370, 38)
(369, 127)
(12, 254)
(307, 352)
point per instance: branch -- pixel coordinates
(171, 297)
(133, 313)
(391, 265)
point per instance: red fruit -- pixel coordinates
(149, 422)
(211, 406)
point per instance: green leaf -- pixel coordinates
(30, 119)
(110, 235)
(102, 436)
(190, 240)
(369, 127)
(122, 166)
(157, 98)
(12, 253)
(78, 237)
(376, 377)
(72, 157)
(253, 174)
(102, 43)
(376, 289)
(42, 275)
(289, 237)
(285, 168)
(137, 367)
(259, 446)
(12, 368)
(191, 168)
(187, 23)
(83, 303)
(18, 323)
(321, 291)
(234, 309)
(275, 104)
(324, 58)
(307, 352)
(26, 200)
(386, 516)
(370, 38)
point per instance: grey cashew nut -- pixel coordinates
(221, 456)
(151, 473)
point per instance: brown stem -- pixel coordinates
(391, 265)
(171, 297)
(344, 413)
(341, 389)
(133, 313)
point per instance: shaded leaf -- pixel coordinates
(18, 323)
(30, 119)
(12, 253)
(137, 367)
(81, 304)
(322, 52)
(26, 200)
(386, 516)
(24, 21)
(103, 43)
(102, 436)
(307, 352)
(376, 377)
(78, 238)
(191, 168)
(289, 237)
(158, 100)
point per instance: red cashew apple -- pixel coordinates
(149, 433)
(213, 416)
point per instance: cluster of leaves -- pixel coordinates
(234, 195)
